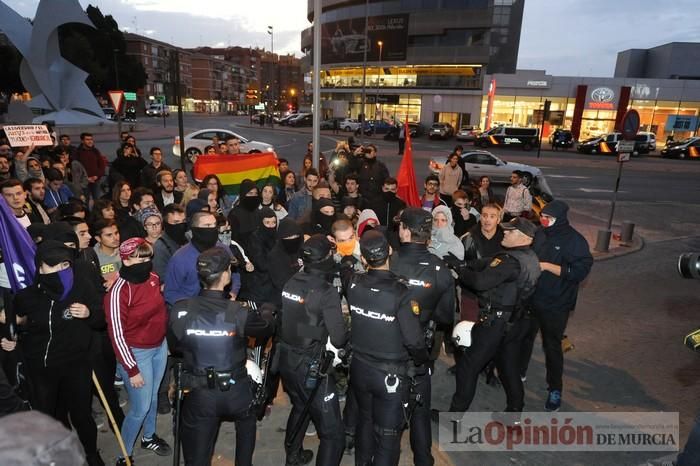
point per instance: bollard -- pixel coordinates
(626, 233)
(602, 243)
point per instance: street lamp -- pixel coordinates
(379, 70)
(271, 31)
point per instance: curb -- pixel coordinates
(619, 251)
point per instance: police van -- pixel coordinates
(509, 136)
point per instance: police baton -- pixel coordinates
(176, 414)
(324, 364)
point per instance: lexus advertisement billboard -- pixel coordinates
(345, 41)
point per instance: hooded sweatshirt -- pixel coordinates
(243, 218)
(443, 240)
(562, 245)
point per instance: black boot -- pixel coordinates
(94, 459)
(301, 458)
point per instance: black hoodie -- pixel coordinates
(562, 245)
(51, 340)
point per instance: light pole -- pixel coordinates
(362, 117)
(271, 31)
(379, 71)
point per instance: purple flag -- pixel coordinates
(18, 249)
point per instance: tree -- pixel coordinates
(94, 50)
(9, 77)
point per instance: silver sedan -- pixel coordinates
(196, 142)
(480, 162)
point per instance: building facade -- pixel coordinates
(425, 60)
(675, 60)
(158, 60)
(591, 106)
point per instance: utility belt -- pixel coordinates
(307, 359)
(489, 316)
(400, 368)
(213, 379)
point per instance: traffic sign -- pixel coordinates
(623, 157)
(625, 146)
(117, 99)
(630, 125)
(130, 96)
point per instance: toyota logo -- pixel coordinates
(602, 94)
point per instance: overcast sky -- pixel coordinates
(564, 37)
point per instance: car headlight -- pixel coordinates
(270, 149)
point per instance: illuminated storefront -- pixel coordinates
(594, 106)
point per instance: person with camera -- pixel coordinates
(503, 284)
(565, 260)
(211, 332)
(388, 345)
(430, 283)
(371, 172)
(311, 313)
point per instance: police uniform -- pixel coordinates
(311, 313)
(211, 333)
(502, 284)
(431, 285)
(385, 336)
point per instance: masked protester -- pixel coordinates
(61, 319)
(244, 215)
(285, 260)
(443, 240)
(181, 273)
(257, 285)
(137, 321)
(173, 237)
(322, 218)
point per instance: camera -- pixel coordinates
(689, 265)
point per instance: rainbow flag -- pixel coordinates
(232, 169)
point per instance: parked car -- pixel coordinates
(644, 142)
(157, 110)
(685, 149)
(480, 162)
(285, 119)
(393, 134)
(196, 142)
(302, 119)
(561, 138)
(468, 133)
(349, 124)
(509, 136)
(605, 144)
(441, 130)
(381, 126)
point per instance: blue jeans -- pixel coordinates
(143, 402)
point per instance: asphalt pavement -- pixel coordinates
(632, 314)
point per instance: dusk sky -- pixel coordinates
(564, 37)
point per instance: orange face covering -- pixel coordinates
(346, 248)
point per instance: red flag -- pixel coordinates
(407, 175)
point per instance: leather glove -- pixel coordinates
(453, 262)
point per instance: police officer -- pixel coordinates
(311, 313)
(502, 284)
(430, 283)
(211, 332)
(385, 337)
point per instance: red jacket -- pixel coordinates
(92, 159)
(136, 317)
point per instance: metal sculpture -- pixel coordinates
(56, 85)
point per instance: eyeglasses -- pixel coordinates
(152, 225)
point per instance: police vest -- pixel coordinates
(214, 339)
(302, 312)
(529, 274)
(374, 304)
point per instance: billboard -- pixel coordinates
(346, 41)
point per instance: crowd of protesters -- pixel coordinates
(117, 245)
